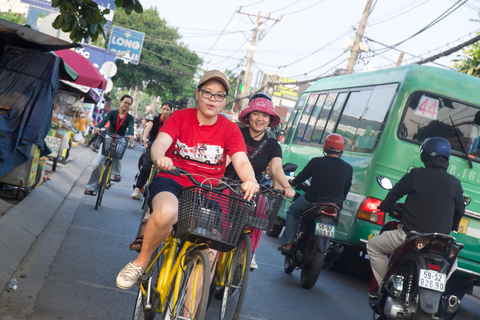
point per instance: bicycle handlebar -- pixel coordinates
(178, 172)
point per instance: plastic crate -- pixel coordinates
(212, 217)
(114, 146)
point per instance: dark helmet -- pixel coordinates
(434, 147)
(259, 95)
(334, 143)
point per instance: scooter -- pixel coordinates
(312, 241)
(414, 285)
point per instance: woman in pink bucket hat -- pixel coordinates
(257, 117)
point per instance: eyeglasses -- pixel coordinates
(219, 97)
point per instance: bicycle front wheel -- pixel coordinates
(189, 299)
(103, 182)
(236, 284)
(146, 304)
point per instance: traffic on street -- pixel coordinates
(70, 271)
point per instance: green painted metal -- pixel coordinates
(392, 156)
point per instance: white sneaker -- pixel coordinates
(129, 275)
(136, 194)
(253, 264)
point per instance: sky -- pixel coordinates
(304, 39)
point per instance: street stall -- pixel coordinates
(30, 76)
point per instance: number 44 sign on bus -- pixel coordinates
(427, 108)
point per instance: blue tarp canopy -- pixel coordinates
(29, 82)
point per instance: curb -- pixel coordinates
(21, 225)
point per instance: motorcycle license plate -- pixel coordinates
(325, 230)
(432, 280)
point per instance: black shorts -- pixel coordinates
(161, 184)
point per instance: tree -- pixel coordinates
(469, 61)
(166, 66)
(84, 19)
(13, 17)
(234, 83)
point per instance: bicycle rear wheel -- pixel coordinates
(192, 298)
(237, 279)
(103, 182)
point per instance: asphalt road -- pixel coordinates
(71, 269)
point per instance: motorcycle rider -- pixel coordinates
(331, 178)
(434, 203)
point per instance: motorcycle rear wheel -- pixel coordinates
(314, 263)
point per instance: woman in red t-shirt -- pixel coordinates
(182, 142)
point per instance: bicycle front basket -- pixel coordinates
(264, 214)
(114, 146)
(212, 217)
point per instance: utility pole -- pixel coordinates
(243, 103)
(246, 79)
(361, 28)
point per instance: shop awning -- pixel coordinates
(88, 75)
(24, 37)
(90, 95)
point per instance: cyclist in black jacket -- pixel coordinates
(434, 203)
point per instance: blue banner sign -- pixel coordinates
(126, 43)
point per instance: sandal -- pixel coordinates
(89, 192)
(137, 244)
(284, 251)
(117, 178)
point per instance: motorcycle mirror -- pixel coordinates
(289, 167)
(384, 182)
(467, 200)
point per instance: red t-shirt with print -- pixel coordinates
(201, 149)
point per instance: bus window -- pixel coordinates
(289, 128)
(372, 121)
(313, 119)
(428, 115)
(350, 118)
(302, 125)
(323, 117)
(332, 117)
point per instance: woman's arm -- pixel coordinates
(131, 129)
(279, 176)
(159, 148)
(103, 122)
(245, 173)
(146, 131)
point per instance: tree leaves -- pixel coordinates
(161, 61)
(469, 62)
(84, 19)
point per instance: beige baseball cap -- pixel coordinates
(214, 74)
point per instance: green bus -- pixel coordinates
(384, 116)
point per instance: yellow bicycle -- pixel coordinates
(113, 147)
(233, 267)
(176, 283)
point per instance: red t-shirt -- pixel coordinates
(201, 149)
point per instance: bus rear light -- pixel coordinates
(369, 211)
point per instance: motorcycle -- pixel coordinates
(312, 240)
(416, 279)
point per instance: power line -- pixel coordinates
(431, 24)
(220, 34)
(313, 5)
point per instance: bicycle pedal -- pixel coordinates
(143, 277)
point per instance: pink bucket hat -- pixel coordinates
(262, 105)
